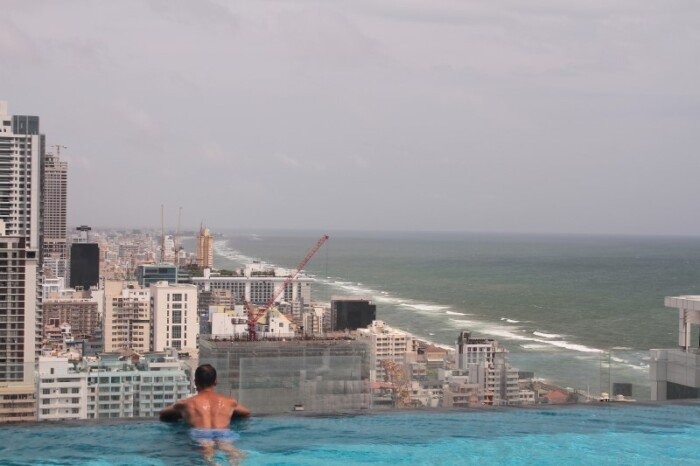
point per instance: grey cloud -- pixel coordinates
(447, 115)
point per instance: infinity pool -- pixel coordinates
(614, 434)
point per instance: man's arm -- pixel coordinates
(172, 413)
(239, 411)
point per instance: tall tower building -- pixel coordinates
(55, 252)
(21, 159)
(205, 249)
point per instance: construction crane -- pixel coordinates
(255, 314)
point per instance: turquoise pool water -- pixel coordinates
(668, 434)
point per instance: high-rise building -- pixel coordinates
(18, 320)
(21, 158)
(84, 265)
(127, 317)
(205, 249)
(174, 316)
(55, 191)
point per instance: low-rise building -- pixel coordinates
(61, 389)
(386, 344)
(485, 362)
(110, 386)
(75, 308)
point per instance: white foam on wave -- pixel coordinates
(547, 335)
(463, 322)
(453, 313)
(572, 346)
(535, 346)
(222, 249)
(424, 307)
(510, 321)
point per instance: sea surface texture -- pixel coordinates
(581, 311)
(612, 435)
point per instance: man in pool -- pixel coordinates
(209, 414)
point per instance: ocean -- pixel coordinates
(579, 311)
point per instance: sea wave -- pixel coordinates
(424, 307)
(453, 313)
(510, 321)
(547, 335)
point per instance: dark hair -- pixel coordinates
(205, 376)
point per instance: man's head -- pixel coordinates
(205, 376)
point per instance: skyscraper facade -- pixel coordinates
(55, 251)
(21, 159)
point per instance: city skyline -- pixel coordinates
(447, 117)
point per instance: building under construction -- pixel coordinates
(317, 375)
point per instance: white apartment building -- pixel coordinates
(62, 390)
(675, 373)
(255, 283)
(127, 317)
(174, 315)
(485, 363)
(385, 343)
(110, 387)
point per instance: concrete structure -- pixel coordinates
(675, 373)
(55, 191)
(76, 308)
(320, 375)
(21, 160)
(127, 317)
(484, 362)
(255, 283)
(351, 313)
(205, 249)
(174, 315)
(385, 343)
(227, 323)
(84, 265)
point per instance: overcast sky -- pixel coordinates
(512, 116)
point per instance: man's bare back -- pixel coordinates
(206, 410)
(209, 414)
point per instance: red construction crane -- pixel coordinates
(255, 314)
